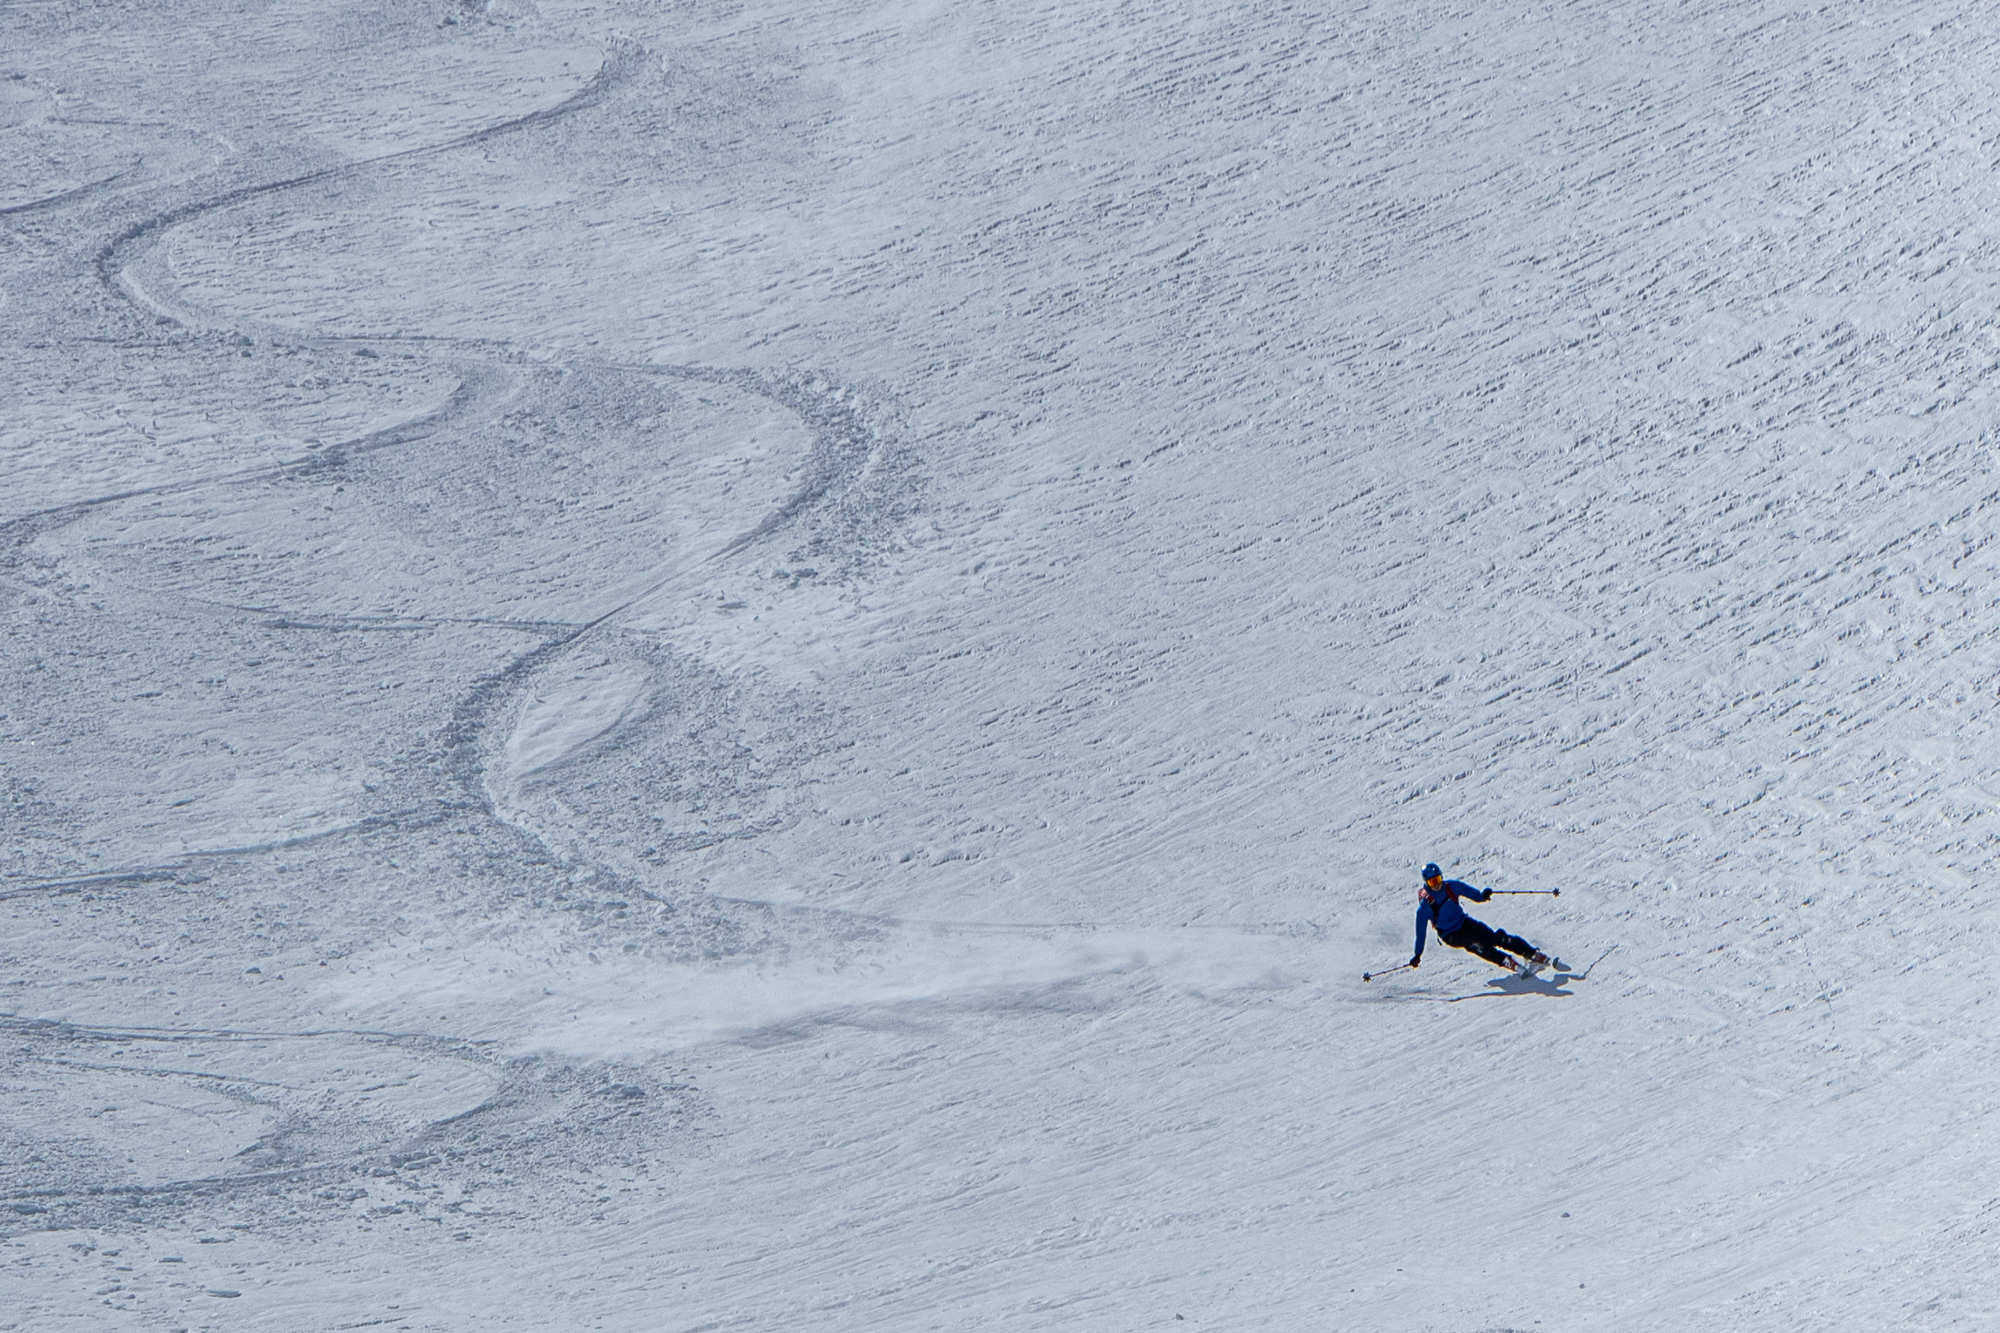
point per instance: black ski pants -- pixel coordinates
(1480, 938)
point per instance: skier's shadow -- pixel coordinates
(1512, 985)
(1518, 985)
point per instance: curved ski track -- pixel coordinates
(321, 1144)
(308, 1144)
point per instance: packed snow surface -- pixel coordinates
(775, 666)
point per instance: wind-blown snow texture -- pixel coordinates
(760, 666)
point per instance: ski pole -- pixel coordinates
(1553, 893)
(1370, 976)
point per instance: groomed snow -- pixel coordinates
(774, 667)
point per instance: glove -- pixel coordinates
(1416, 960)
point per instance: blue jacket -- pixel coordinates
(1441, 908)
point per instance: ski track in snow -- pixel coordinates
(707, 1005)
(531, 805)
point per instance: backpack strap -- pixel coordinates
(1445, 894)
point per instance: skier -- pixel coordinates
(1437, 903)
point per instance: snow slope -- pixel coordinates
(775, 666)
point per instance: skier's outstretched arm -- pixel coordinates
(1423, 930)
